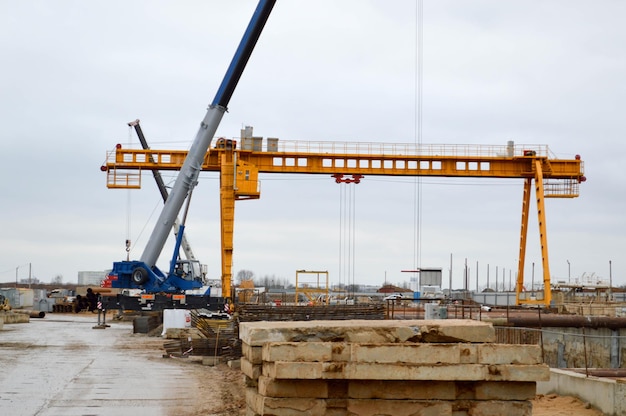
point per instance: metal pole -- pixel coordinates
(569, 275)
(610, 281)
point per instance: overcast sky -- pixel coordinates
(74, 73)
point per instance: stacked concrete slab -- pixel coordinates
(362, 367)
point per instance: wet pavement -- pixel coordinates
(61, 365)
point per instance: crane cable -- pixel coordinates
(128, 207)
(347, 233)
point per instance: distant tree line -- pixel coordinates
(276, 282)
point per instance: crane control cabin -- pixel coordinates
(239, 165)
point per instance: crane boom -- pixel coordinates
(188, 176)
(143, 273)
(184, 244)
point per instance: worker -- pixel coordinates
(92, 300)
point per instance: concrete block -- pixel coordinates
(539, 372)
(413, 353)
(496, 390)
(252, 354)
(234, 364)
(372, 371)
(437, 353)
(250, 370)
(399, 407)
(402, 390)
(509, 354)
(283, 407)
(293, 388)
(367, 331)
(298, 351)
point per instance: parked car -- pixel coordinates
(395, 296)
(485, 308)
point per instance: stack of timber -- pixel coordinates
(392, 367)
(248, 313)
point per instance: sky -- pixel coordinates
(74, 73)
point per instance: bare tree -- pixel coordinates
(245, 275)
(57, 280)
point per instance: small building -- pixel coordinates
(91, 278)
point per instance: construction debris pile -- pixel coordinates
(390, 367)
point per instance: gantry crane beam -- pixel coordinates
(239, 169)
(516, 166)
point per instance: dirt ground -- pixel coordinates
(553, 405)
(221, 393)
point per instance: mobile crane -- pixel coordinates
(168, 290)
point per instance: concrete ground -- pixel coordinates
(60, 365)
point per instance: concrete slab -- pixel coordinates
(397, 389)
(408, 353)
(262, 405)
(372, 371)
(366, 331)
(60, 366)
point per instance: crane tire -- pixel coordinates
(139, 276)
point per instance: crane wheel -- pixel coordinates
(139, 276)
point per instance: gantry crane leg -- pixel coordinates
(227, 210)
(543, 238)
(543, 233)
(523, 237)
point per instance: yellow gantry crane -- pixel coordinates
(240, 165)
